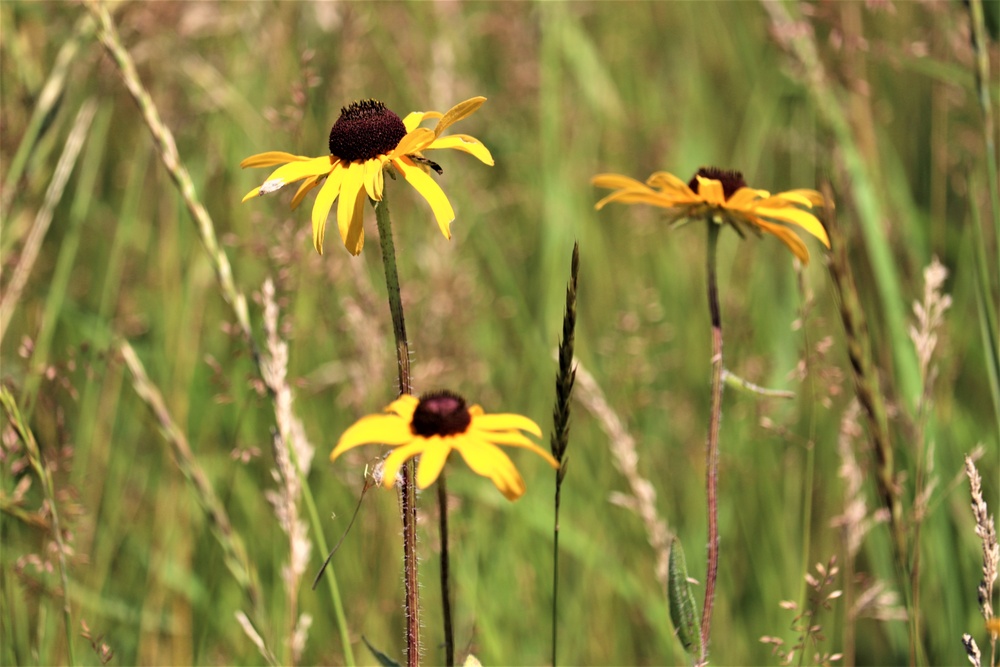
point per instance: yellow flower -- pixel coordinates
(367, 139)
(436, 424)
(723, 197)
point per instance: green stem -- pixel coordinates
(407, 499)
(712, 448)
(449, 632)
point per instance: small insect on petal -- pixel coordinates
(271, 186)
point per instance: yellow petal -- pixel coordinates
(349, 218)
(514, 439)
(373, 429)
(432, 461)
(431, 191)
(463, 142)
(256, 192)
(415, 118)
(271, 158)
(813, 197)
(489, 461)
(404, 406)
(457, 113)
(711, 191)
(667, 181)
(399, 456)
(506, 422)
(304, 189)
(373, 178)
(617, 181)
(744, 196)
(296, 171)
(413, 142)
(795, 216)
(636, 197)
(788, 237)
(324, 202)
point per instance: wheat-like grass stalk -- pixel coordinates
(49, 492)
(986, 531)
(293, 454)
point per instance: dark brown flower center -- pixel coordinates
(440, 413)
(731, 180)
(364, 131)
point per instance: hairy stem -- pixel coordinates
(449, 632)
(407, 498)
(712, 448)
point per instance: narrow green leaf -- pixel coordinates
(382, 658)
(683, 610)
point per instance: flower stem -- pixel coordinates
(712, 448)
(407, 498)
(449, 632)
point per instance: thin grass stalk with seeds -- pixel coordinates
(930, 318)
(48, 491)
(407, 488)
(565, 378)
(293, 454)
(986, 530)
(167, 148)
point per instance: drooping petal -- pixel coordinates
(430, 191)
(457, 113)
(514, 439)
(372, 182)
(506, 422)
(271, 158)
(787, 236)
(413, 142)
(432, 460)
(711, 191)
(373, 429)
(397, 458)
(349, 208)
(489, 461)
(304, 189)
(463, 142)
(256, 192)
(324, 202)
(795, 216)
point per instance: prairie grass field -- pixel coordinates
(141, 489)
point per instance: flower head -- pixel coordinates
(438, 423)
(723, 197)
(367, 139)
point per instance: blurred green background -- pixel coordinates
(887, 114)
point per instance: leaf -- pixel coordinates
(382, 658)
(683, 610)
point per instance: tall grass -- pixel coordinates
(877, 99)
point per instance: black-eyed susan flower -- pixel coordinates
(435, 425)
(723, 197)
(367, 139)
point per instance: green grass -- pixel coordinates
(574, 89)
